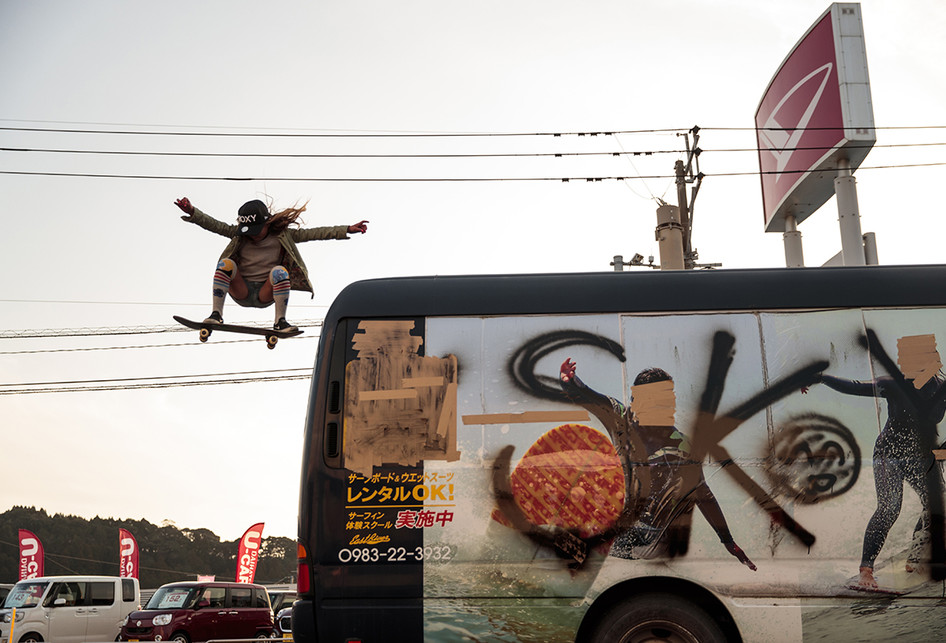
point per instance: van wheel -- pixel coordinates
(31, 638)
(180, 637)
(657, 617)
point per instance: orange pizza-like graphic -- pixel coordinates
(570, 478)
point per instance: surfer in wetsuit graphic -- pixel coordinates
(654, 456)
(903, 450)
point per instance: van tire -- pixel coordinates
(180, 637)
(32, 637)
(663, 617)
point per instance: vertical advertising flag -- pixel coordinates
(128, 552)
(31, 555)
(248, 553)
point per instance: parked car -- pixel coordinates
(280, 598)
(284, 623)
(199, 610)
(68, 609)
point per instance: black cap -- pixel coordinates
(251, 218)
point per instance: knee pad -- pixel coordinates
(227, 265)
(278, 275)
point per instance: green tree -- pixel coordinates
(74, 545)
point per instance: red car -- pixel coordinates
(192, 611)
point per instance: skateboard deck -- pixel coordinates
(272, 336)
(893, 579)
(889, 591)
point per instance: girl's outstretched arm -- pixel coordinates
(195, 216)
(186, 207)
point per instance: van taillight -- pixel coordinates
(302, 570)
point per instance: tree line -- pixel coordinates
(75, 545)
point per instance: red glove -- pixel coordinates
(740, 555)
(361, 227)
(185, 205)
(568, 370)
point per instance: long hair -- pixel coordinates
(281, 220)
(651, 375)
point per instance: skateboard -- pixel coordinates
(893, 579)
(272, 336)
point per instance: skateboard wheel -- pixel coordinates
(271, 341)
(204, 334)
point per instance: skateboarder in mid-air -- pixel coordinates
(262, 263)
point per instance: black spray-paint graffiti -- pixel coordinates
(813, 457)
(686, 484)
(523, 362)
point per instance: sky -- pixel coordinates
(227, 101)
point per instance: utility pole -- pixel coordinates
(686, 173)
(674, 231)
(679, 169)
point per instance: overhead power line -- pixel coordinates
(139, 346)
(154, 378)
(441, 179)
(155, 385)
(35, 333)
(155, 382)
(388, 134)
(339, 156)
(472, 155)
(336, 134)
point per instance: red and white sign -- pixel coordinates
(815, 113)
(32, 555)
(128, 550)
(248, 553)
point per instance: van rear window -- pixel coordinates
(128, 590)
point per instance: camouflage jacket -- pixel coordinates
(288, 238)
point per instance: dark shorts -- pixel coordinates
(252, 296)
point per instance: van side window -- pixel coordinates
(101, 593)
(128, 590)
(214, 597)
(241, 597)
(260, 597)
(66, 594)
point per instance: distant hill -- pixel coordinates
(74, 545)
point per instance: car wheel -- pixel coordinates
(657, 617)
(180, 637)
(31, 638)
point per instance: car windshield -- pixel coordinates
(172, 597)
(26, 594)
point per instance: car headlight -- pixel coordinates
(8, 617)
(161, 619)
(125, 621)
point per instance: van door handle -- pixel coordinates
(234, 612)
